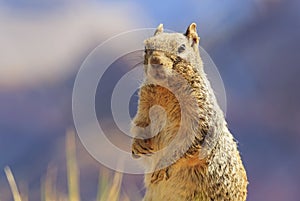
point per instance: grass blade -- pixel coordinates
(72, 168)
(49, 185)
(103, 185)
(12, 184)
(114, 192)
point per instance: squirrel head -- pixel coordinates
(164, 51)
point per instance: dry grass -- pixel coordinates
(73, 172)
(12, 184)
(109, 185)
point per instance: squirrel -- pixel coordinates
(179, 130)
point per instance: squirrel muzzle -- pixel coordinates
(158, 65)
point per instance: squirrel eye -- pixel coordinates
(181, 48)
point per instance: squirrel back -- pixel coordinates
(188, 151)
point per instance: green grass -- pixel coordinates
(109, 186)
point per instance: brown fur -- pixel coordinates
(198, 157)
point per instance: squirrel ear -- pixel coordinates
(159, 29)
(191, 33)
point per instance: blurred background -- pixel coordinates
(254, 43)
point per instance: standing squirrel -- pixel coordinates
(188, 152)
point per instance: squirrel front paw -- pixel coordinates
(142, 142)
(141, 147)
(159, 175)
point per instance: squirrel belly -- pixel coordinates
(189, 152)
